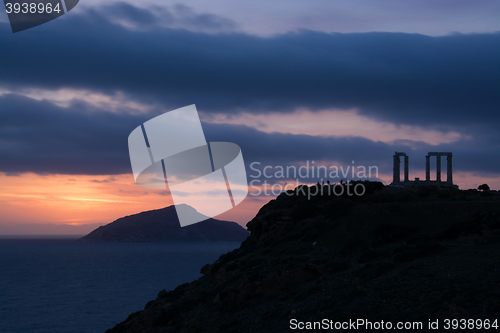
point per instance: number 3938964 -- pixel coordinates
(32, 8)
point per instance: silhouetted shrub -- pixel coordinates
(483, 187)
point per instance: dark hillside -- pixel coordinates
(391, 255)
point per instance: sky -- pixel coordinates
(332, 83)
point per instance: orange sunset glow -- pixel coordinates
(84, 199)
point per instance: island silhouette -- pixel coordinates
(162, 225)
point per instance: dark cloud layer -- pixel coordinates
(38, 136)
(403, 78)
(447, 83)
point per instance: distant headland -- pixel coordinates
(162, 225)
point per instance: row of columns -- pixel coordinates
(449, 156)
(397, 167)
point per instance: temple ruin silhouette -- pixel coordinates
(396, 176)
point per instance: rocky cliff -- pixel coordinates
(389, 255)
(162, 225)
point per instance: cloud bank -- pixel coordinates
(42, 137)
(402, 78)
(446, 83)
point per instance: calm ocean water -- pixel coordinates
(61, 285)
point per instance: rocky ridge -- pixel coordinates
(391, 255)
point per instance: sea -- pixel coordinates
(63, 285)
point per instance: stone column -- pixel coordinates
(438, 168)
(449, 177)
(406, 168)
(395, 170)
(427, 168)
